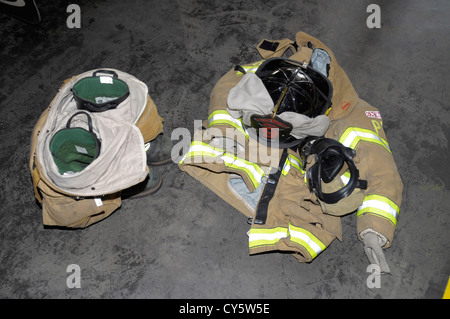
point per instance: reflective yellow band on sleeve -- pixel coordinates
(252, 170)
(267, 237)
(306, 239)
(353, 135)
(380, 206)
(222, 117)
(260, 237)
(201, 149)
(294, 162)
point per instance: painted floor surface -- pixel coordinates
(184, 241)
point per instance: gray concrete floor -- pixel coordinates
(185, 242)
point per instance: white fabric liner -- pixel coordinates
(122, 160)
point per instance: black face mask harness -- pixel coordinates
(330, 156)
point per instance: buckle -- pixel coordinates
(267, 180)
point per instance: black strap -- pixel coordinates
(113, 73)
(91, 130)
(88, 118)
(269, 191)
(269, 45)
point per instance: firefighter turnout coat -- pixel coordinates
(236, 168)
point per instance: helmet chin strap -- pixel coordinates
(280, 100)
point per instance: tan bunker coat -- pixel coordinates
(297, 221)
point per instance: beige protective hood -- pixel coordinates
(250, 96)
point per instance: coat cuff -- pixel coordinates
(373, 223)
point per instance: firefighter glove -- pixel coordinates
(372, 248)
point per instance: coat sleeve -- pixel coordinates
(363, 131)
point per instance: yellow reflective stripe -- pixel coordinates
(353, 135)
(295, 162)
(202, 149)
(252, 170)
(251, 67)
(197, 149)
(221, 117)
(286, 168)
(266, 237)
(345, 178)
(306, 239)
(251, 70)
(261, 237)
(381, 206)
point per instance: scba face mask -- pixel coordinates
(329, 159)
